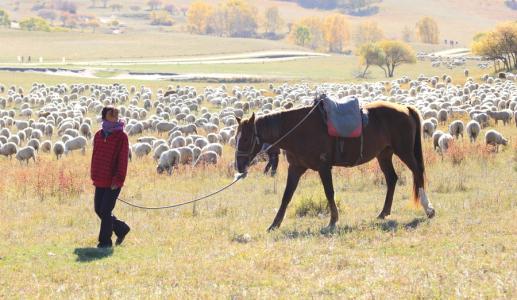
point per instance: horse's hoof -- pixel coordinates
(272, 228)
(430, 213)
(382, 216)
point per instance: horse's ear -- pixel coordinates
(238, 120)
(252, 118)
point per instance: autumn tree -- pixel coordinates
(198, 16)
(34, 24)
(368, 32)
(396, 53)
(93, 23)
(301, 35)
(336, 32)
(161, 17)
(309, 32)
(240, 17)
(116, 7)
(427, 30)
(371, 54)
(273, 22)
(498, 45)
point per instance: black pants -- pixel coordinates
(105, 199)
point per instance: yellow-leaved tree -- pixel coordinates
(396, 53)
(198, 16)
(427, 30)
(336, 32)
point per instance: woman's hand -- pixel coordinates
(114, 187)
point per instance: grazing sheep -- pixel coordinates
(159, 150)
(456, 128)
(25, 154)
(178, 141)
(436, 136)
(428, 128)
(58, 149)
(444, 142)
(168, 160)
(207, 158)
(473, 129)
(146, 139)
(85, 130)
(187, 155)
(201, 143)
(503, 115)
(34, 143)
(141, 149)
(76, 143)
(9, 149)
(14, 139)
(442, 116)
(482, 119)
(215, 147)
(494, 138)
(46, 146)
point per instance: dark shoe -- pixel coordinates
(104, 245)
(120, 238)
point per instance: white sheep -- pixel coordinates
(456, 128)
(444, 142)
(159, 150)
(207, 158)
(178, 141)
(58, 149)
(86, 130)
(473, 130)
(215, 147)
(141, 149)
(9, 149)
(494, 138)
(428, 128)
(76, 143)
(187, 155)
(168, 160)
(34, 143)
(25, 154)
(46, 146)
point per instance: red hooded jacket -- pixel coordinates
(109, 159)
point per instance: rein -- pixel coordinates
(256, 141)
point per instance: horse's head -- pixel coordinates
(247, 143)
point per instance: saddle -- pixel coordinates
(344, 119)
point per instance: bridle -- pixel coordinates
(255, 140)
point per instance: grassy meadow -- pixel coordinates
(219, 248)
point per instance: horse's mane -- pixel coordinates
(269, 125)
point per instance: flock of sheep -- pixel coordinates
(182, 125)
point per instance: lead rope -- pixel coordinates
(237, 178)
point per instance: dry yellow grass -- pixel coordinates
(48, 229)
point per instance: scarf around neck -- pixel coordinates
(110, 127)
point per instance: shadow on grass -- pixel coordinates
(386, 226)
(91, 254)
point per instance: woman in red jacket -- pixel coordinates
(108, 172)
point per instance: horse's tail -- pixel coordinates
(419, 176)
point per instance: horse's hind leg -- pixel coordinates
(418, 183)
(293, 177)
(326, 179)
(386, 164)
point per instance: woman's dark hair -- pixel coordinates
(105, 111)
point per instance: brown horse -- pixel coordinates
(391, 129)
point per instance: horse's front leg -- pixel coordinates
(326, 179)
(293, 177)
